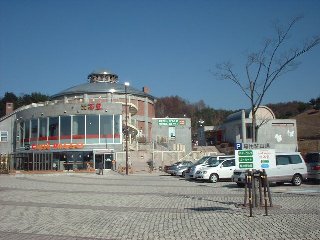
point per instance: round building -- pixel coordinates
(83, 126)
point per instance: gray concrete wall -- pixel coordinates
(182, 139)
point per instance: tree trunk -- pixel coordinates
(253, 127)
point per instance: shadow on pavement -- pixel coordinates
(208, 209)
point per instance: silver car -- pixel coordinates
(175, 167)
(181, 171)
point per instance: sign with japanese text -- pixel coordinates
(91, 106)
(255, 159)
(255, 145)
(55, 146)
(171, 122)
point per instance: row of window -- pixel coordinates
(74, 129)
(3, 136)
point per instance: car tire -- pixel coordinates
(183, 174)
(240, 184)
(296, 180)
(213, 178)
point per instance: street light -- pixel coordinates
(126, 84)
(112, 90)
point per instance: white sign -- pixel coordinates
(255, 159)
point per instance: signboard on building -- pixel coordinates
(171, 122)
(242, 146)
(172, 133)
(255, 159)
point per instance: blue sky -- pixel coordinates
(170, 46)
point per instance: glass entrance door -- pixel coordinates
(108, 158)
(97, 160)
(105, 158)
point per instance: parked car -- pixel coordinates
(205, 161)
(181, 170)
(290, 167)
(312, 160)
(167, 167)
(218, 169)
(172, 170)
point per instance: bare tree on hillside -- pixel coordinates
(266, 65)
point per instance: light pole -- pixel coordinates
(126, 84)
(112, 90)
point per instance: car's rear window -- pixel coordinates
(202, 160)
(312, 158)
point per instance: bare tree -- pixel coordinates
(265, 66)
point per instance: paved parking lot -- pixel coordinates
(148, 206)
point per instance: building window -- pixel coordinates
(106, 129)
(20, 133)
(54, 128)
(43, 129)
(34, 130)
(65, 129)
(92, 128)
(3, 136)
(117, 129)
(78, 128)
(27, 132)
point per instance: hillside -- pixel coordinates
(308, 124)
(308, 127)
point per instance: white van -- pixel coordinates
(203, 162)
(290, 167)
(218, 169)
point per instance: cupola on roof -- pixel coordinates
(103, 76)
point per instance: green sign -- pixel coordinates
(246, 159)
(171, 122)
(246, 165)
(245, 153)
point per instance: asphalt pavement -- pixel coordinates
(73, 206)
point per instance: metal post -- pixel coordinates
(246, 189)
(250, 180)
(264, 176)
(126, 84)
(112, 90)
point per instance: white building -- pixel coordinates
(280, 134)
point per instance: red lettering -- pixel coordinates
(98, 106)
(91, 106)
